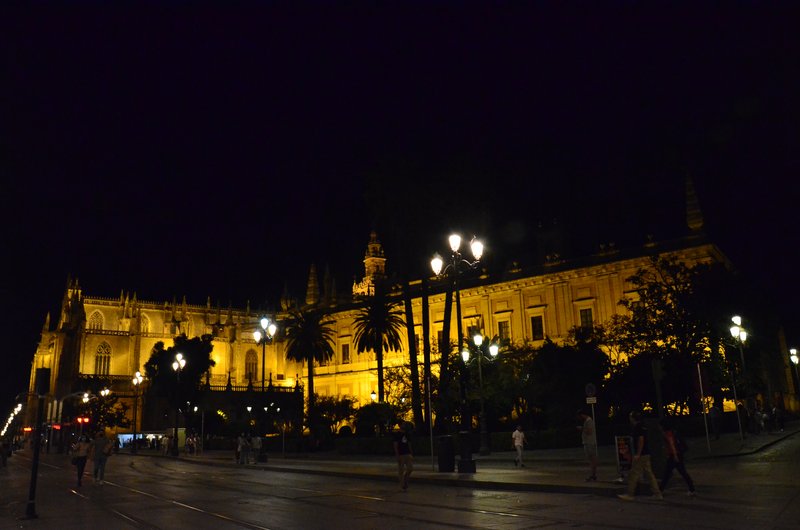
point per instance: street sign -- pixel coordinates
(591, 390)
(591, 400)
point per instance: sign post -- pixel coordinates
(591, 399)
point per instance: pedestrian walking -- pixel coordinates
(589, 441)
(403, 453)
(641, 460)
(242, 449)
(256, 448)
(675, 447)
(99, 451)
(518, 441)
(715, 415)
(80, 453)
(777, 414)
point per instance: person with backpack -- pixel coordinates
(676, 447)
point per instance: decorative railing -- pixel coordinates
(254, 388)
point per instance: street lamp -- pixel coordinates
(793, 357)
(494, 349)
(739, 335)
(137, 380)
(263, 338)
(455, 265)
(177, 365)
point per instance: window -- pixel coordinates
(144, 324)
(586, 319)
(251, 365)
(96, 321)
(102, 359)
(537, 328)
(504, 330)
(345, 354)
(439, 339)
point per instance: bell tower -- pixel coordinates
(374, 267)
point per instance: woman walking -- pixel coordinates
(80, 452)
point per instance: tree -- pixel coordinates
(670, 326)
(105, 411)
(378, 326)
(559, 374)
(335, 411)
(309, 339)
(163, 379)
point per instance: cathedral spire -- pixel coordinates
(312, 290)
(694, 217)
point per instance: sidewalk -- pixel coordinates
(552, 470)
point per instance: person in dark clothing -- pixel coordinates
(402, 451)
(641, 460)
(675, 448)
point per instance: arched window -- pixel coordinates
(102, 359)
(144, 324)
(96, 320)
(250, 365)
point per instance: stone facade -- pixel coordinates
(111, 338)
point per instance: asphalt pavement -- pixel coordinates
(547, 470)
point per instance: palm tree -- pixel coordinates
(378, 327)
(416, 396)
(309, 339)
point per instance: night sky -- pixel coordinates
(219, 152)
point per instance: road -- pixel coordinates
(752, 492)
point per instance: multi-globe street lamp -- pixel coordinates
(264, 338)
(739, 335)
(177, 365)
(494, 349)
(795, 359)
(136, 381)
(455, 265)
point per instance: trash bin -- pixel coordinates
(445, 449)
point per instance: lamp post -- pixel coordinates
(455, 265)
(177, 365)
(494, 349)
(137, 380)
(199, 448)
(739, 335)
(263, 338)
(793, 357)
